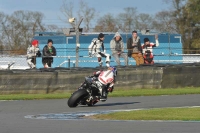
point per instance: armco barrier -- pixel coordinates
(63, 79)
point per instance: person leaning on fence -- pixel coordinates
(134, 48)
(117, 48)
(147, 49)
(48, 52)
(32, 52)
(95, 50)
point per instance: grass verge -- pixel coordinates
(115, 93)
(183, 114)
(34, 96)
(154, 92)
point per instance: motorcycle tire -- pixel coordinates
(75, 99)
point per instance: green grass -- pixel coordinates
(154, 92)
(184, 114)
(34, 96)
(115, 93)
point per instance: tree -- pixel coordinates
(67, 10)
(106, 23)
(3, 19)
(186, 19)
(126, 20)
(88, 13)
(84, 11)
(53, 28)
(143, 21)
(19, 28)
(164, 22)
(193, 9)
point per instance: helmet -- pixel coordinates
(114, 70)
(34, 42)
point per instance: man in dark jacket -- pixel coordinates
(134, 48)
(48, 52)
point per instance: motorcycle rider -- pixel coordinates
(105, 79)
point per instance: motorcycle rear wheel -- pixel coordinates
(75, 99)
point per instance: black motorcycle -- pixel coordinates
(87, 94)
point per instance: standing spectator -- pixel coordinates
(135, 49)
(48, 52)
(147, 49)
(117, 48)
(32, 52)
(96, 48)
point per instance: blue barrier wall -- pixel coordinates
(170, 46)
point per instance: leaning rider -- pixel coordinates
(106, 79)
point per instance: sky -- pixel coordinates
(53, 15)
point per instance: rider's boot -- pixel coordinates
(108, 64)
(103, 95)
(100, 64)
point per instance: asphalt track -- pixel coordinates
(14, 116)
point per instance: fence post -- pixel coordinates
(73, 63)
(68, 61)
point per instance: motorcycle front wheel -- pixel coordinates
(76, 97)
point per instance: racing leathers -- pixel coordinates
(95, 50)
(32, 52)
(105, 82)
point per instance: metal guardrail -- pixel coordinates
(132, 61)
(13, 64)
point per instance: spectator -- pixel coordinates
(48, 52)
(147, 49)
(134, 48)
(95, 50)
(32, 52)
(117, 48)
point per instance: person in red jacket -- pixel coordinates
(147, 50)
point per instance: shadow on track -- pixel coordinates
(114, 104)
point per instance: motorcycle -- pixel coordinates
(87, 94)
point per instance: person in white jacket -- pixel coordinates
(117, 48)
(32, 52)
(96, 49)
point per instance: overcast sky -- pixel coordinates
(51, 8)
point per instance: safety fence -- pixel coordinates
(10, 62)
(69, 60)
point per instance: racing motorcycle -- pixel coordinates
(87, 94)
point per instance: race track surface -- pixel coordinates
(14, 116)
